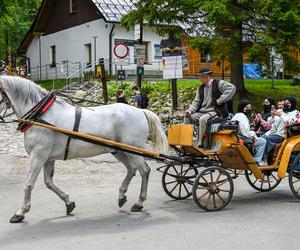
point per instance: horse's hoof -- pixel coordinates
(136, 208)
(70, 208)
(122, 201)
(17, 218)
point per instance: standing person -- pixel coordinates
(120, 96)
(245, 133)
(137, 97)
(210, 101)
(141, 101)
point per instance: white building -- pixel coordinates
(69, 34)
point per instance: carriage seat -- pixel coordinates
(216, 125)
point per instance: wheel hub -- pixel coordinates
(214, 190)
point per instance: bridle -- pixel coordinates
(7, 102)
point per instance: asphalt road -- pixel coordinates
(251, 221)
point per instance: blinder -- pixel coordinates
(7, 102)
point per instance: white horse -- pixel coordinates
(117, 122)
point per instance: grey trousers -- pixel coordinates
(201, 119)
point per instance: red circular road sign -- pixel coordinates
(121, 50)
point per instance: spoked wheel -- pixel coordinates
(294, 177)
(177, 181)
(268, 183)
(213, 189)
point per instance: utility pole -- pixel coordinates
(39, 34)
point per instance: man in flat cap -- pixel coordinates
(210, 101)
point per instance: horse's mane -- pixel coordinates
(23, 88)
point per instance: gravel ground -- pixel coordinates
(251, 221)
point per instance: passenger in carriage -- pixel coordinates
(280, 104)
(278, 120)
(246, 134)
(260, 122)
(210, 101)
(289, 113)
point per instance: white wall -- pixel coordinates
(70, 45)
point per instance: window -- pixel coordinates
(73, 6)
(204, 56)
(157, 51)
(88, 52)
(53, 56)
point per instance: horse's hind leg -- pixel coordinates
(48, 179)
(35, 167)
(122, 157)
(144, 171)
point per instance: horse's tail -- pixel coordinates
(157, 132)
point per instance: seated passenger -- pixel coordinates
(289, 113)
(210, 101)
(261, 126)
(244, 110)
(277, 132)
(278, 120)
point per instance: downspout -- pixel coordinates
(110, 49)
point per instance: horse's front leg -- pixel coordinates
(48, 178)
(36, 164)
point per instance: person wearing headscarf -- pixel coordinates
(260, 122)
(244, 110)
(278, 120)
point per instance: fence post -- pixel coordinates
(38, 73)
(46, 71)
(56, 71)
(103, 79)
(80, 72)
(67, 68)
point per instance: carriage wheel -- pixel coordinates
(268, 183)
(213, 189)
(294, 178)
(177, 181)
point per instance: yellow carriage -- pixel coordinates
(208, 175)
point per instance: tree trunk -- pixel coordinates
(236, 60)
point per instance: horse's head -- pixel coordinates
(5, 103)
(19, 94)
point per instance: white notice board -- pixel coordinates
(172, 65)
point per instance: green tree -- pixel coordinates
(16, 16)
(223, 25)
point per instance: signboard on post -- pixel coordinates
(172, 64)
(140, 51)
(121, 62)
(140, 56)
(140, 71)
(121, 50)
(121, 75)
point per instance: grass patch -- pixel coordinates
(48, 84)
(259, 89)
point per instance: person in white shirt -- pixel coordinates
(244, 109)
(278, 120)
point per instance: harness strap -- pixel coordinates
(37, 111)
(78, 113)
